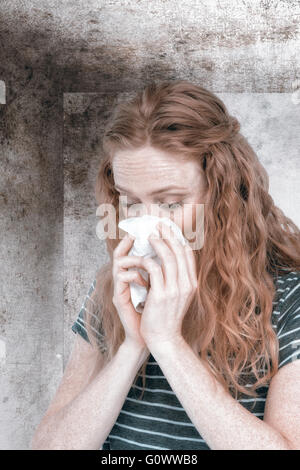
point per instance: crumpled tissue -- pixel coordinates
(141, 228)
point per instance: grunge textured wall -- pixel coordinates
(53, 55)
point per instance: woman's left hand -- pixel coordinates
(173, 286)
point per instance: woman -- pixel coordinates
(218, 340)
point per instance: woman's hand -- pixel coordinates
(121, 298)
(173, 286)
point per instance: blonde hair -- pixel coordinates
(248, 241)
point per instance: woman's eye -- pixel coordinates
(169, 206)
(163, 205)
(129, 205)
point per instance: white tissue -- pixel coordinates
(141, 228)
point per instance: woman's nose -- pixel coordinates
(150, 208)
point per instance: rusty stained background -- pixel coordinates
(53, 54)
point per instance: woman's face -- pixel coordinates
(157, 183)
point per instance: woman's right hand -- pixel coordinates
(129, 317)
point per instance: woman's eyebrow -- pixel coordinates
(165, 189)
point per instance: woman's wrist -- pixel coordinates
(141, 351)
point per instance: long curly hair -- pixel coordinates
(248, 241)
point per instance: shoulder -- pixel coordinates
(291, 277)
(79, 326)
(287, 297)
(286, 316)
(92, 287)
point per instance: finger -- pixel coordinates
(183, 274)
(191, 262)
(125, 262)
(169, 263)
(124, 246)
(123, 278)
(155, 272)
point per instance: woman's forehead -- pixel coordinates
(153, 164)
(150, 170)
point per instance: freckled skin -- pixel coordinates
(146, 169)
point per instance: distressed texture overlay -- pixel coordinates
(63, 65)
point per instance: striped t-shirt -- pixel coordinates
(158, 420)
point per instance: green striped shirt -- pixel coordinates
(158, 421)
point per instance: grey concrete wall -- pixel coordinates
(53, 55)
